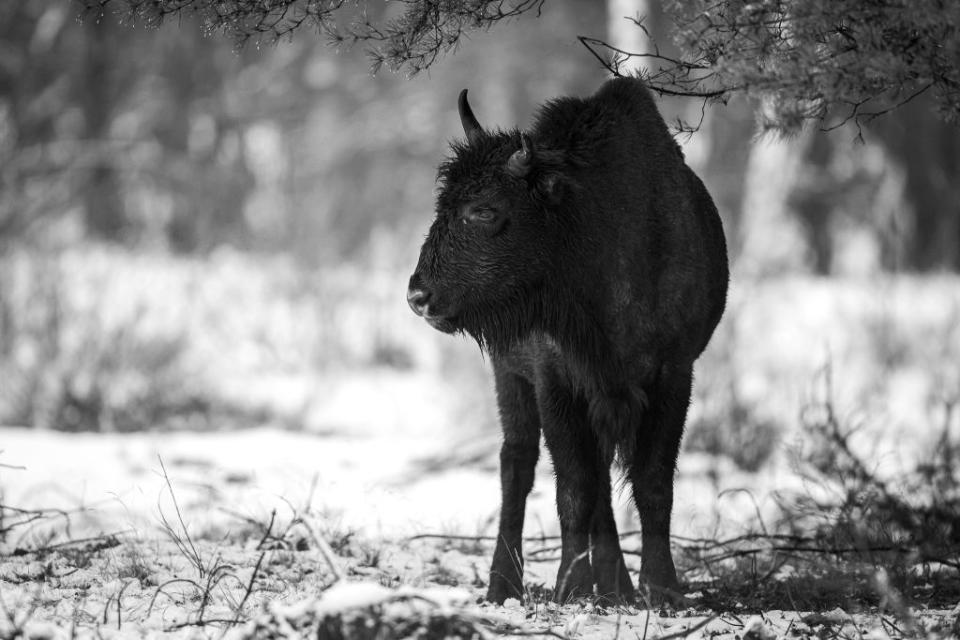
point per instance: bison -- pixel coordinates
(589, 262)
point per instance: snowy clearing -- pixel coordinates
(376, 454)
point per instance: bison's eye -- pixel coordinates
(480, 215)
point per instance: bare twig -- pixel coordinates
(249, 589)
(445, 536)
(325, 551)
(266, 534)
(119, 596)
(160, 590)
(185, 542)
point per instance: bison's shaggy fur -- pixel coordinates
(589, 261)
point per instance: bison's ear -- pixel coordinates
(521, 162)
(536, 166)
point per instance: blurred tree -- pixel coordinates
(176, 139)
(360, 160)
(98, 89)
(892, 202)
(804, 192)
(928, 154)
(201, 114)
(188, 106)
(32, 85)
(135, 146)
(59, 91)
(830, 60)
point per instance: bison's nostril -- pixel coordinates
(418, 300)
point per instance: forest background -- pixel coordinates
(204, 252)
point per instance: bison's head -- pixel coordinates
(490, 249)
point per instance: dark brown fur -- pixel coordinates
(593, 269)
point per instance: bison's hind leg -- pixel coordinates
(651, 468)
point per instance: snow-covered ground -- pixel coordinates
(382, 485)
(388, 429)
(394, 425)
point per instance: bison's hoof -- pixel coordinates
(661, 592)
(574, 582)
(618, 591)
(500, 589)
(613, 599)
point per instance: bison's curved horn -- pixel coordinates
(469, 121)
(521, 161)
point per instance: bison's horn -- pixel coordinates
(521, 161)
(469, 121)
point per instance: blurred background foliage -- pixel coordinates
(197, 236)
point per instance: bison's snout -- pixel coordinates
(425, 305)
(419, 300)
(422, 300)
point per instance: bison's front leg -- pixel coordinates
(651, 471)
(609, 570)
(518, 459)
(573, 449)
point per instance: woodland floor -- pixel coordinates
(364, 432)
(198, 547)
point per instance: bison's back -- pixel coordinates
(653, 241)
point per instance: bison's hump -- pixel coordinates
(584, 127)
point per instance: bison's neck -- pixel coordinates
(578, 326)
(551, 309)
(573, 318)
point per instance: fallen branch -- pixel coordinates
(106, 540)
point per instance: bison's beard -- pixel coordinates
(446, 325)
(498, 327)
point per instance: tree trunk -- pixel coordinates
(772, 240)
(104, 214)
(624, 34)
(928, 149)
